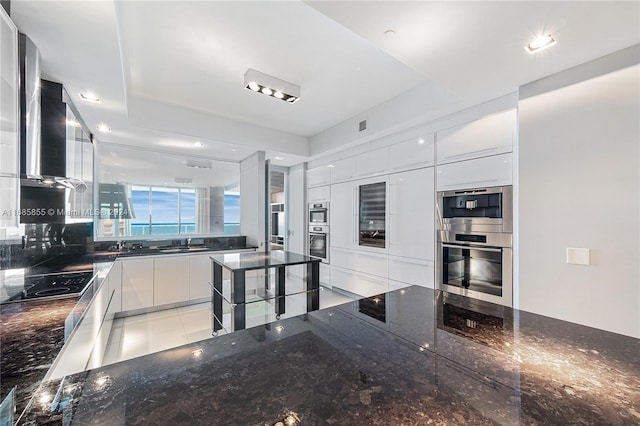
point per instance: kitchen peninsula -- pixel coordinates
(412, 356)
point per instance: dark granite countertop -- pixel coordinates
(410, 357)
(261, 260)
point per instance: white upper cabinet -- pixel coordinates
(344, 169)
(319, 193)
(478, 173)
(412, 153)
(490, 135)
(372, 163)
(318, 176)
(9, 139)
(411, 218)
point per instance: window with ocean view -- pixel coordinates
(165, 194)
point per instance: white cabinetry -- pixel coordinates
(493, 134)
(342, 215)
(480, 172)
(359, 283)
(411, 271)
(9, 139)
(318, 176)
(171, 279)
(200, 273)
(115, 286)
(137, 283)
(319, 193)
(371, 263)
(344, 169)
(372, 163)
(411, 215)
(413, 153)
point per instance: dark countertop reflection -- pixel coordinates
(260, 260)
(423, 358)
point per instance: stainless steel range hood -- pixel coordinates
(30, 126)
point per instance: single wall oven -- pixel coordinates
(319, 242)
(319, 214)
(474, 253)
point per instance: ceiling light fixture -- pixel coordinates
(279, 158)
(104, 128)
(540, 43)
(233, 150)
(257, 81)
(89, 97)
(331, 166)
(421, 141)
(198, 144)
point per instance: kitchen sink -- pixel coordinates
(182, 249)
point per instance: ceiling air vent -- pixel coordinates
(363, 125)
(199, 164)
(183, 180)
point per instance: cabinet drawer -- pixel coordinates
(372, 263)
(325, 274)
(411, 271)
(478, 173)
(343, 258)
(359, 283)
(491, 135)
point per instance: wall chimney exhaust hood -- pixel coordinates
(43, 122)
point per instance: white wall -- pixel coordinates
(579, 163)
(252, 198)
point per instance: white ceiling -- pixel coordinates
(171, 73)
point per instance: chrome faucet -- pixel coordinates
(188, 242)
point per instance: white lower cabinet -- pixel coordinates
(137, 283)
(325, 275)
(370, 263)
(115, 286)
(411, 271)
(200, 275)
(358, 283)
(477, 173)
(171, 280)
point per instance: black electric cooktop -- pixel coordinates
(50, 285)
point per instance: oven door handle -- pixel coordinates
(455, 246)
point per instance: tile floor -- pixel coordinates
(140, 335)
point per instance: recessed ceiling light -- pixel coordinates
(254, 86)
(421, 141)
(104, 128)
(233, 150)
(267, 91)
(279, 158)
(278, 94)
(198, 144)
(331, 166)
(541, 42)
(73, 123)
(89, 97)
(389, 34)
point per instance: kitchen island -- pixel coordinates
(235, 295)
(412, 356)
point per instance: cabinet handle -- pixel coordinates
(412, 263)
(478, 248)
(466, 154)
(417, 163)
(372, 256)
(371, 280)
(355, 215)
(471, 182)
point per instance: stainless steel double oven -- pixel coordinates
(319, 231)
(474, 248)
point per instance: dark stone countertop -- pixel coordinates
(410, 357)
(261, 260)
